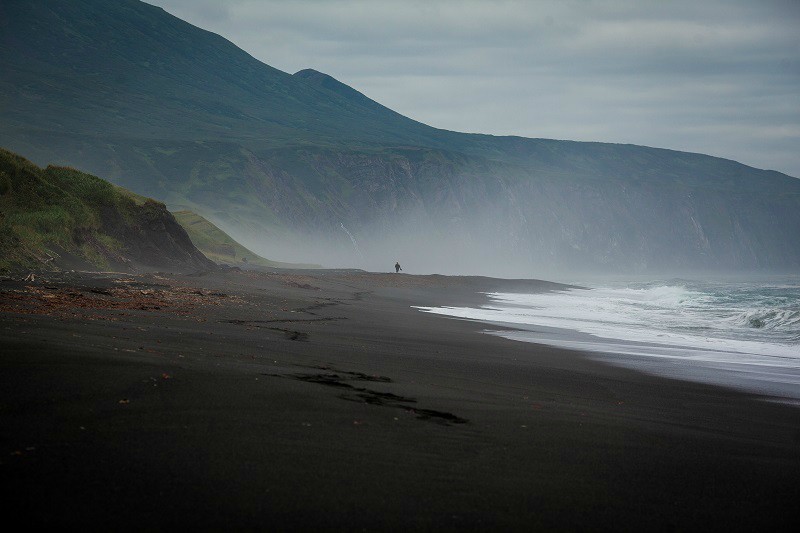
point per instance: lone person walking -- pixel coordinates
(397, 268)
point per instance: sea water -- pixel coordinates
(739, 333)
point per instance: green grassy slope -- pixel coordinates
(58, 217)
(43, 208)
(220, 247)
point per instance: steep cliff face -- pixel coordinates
(153, 238)
(447, 212)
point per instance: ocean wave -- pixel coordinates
(688, 313)
(769, 319)
(744, 328)
(670, 296)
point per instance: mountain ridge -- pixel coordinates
(280, 161)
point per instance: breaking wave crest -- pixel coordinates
(769, 319)
(742, 334)
(746, 318)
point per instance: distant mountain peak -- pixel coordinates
(311, 74)
(328, 82)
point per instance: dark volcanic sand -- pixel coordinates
(246, 400)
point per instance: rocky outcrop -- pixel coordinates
(154, 239)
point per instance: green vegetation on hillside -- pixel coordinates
(60, 216)
(47, 211)
(220, 247)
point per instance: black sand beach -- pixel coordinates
(246, 400)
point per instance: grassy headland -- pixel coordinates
(220, 247)
(58, 217)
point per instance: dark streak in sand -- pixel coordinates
(283, 320)
(373, 397)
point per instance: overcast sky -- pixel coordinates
(721, 77)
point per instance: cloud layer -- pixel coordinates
(720, 77)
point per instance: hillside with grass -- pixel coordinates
(58, 217)
(221, 247)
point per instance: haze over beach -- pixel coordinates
(389, 265)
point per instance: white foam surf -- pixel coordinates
(740, 334)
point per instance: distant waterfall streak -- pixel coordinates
(353, 239)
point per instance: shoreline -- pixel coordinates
(775, 376)
(323, 399)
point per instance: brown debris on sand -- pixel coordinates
(69, 301)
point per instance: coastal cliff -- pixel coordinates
(59, 217)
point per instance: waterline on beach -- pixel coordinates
(739, 334)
